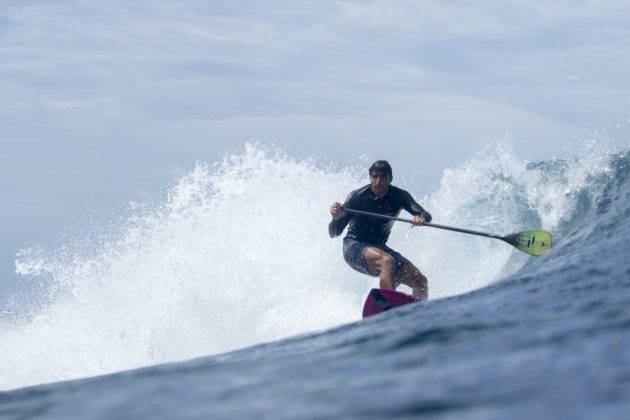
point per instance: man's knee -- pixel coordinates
(387, 263)
(379, 261)
(420, 279)
(412, 277)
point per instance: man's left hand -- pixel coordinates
(417, 221)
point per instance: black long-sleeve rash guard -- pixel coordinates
(372, 229)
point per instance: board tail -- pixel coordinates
(381, 300)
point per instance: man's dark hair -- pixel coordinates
(381, 166)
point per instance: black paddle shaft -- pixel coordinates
(535, 242)
(433, 225)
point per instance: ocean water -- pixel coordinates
(225, 298)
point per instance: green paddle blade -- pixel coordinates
(534, 242)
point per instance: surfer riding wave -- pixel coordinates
(364, 246)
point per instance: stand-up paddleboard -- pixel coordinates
(381, 300)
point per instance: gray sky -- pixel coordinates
(102, 102)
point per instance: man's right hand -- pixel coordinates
(336, 210)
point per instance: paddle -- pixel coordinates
(533, 242)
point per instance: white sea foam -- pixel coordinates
(238, 254)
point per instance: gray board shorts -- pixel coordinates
(354, 254)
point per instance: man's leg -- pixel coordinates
(379, 261)
(412, 277)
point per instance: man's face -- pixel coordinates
(380, 183)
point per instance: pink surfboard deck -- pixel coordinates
(381, 300)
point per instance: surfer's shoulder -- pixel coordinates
(359, 192)
(398, 192)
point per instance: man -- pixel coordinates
(364, 247)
